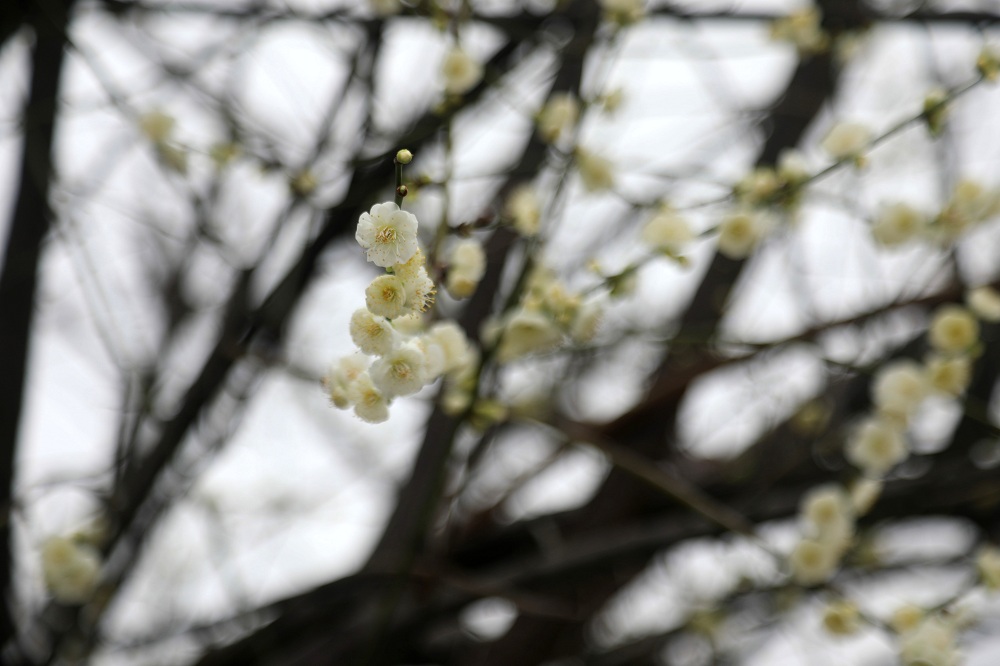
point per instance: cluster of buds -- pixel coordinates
(398, 356)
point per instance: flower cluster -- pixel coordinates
(398, 357)
(549, 312)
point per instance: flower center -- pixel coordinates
(401, 370)
(385, 235)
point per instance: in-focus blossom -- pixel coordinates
(388, 233)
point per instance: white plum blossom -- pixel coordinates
(558, 117)
(899, 387)
(813, 562)
(340, 378)
(876, 446)
(453, 342)
(71, 569)
(985, 302)
(461, 71)
(373, 335)
(420, 289)
(466, 266)
(386, 297)
(370, 404)
(930, 643)
(847, 140)
(528, 332)
(864, 493)
(898, 223)
(596, 172)
(842, 618)
(949, 374)
(403, 371)
(524, 210)
(803, 28)
(829, 514)
(388, 233)
(740, 232)
(953, 329)
(667, 231)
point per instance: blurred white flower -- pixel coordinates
(558, 117)
(985, 302)
(461, 71)
(524, 210)
(466, 266)
(813, 562)
(876, 446)
(596, 172)
(898, 223)
(953, 329)
(667, 231)
(846, 140)
(740, 232)
(898, 388)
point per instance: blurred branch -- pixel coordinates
(23, 250)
